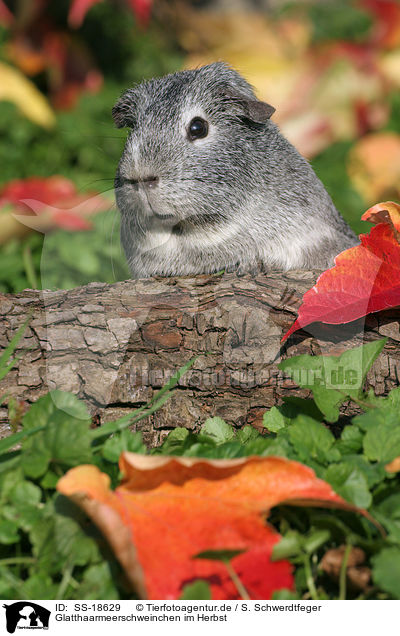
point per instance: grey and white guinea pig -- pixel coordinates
(207, 182)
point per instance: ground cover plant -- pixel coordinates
(50, 549)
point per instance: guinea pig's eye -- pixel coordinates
(198, 128)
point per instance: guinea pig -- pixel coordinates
(207, 182)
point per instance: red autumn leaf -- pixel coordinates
(168, 509)
(48, 190)
(45, 203)
(6, 17)
(78, 10)
(386, 28)
(141, 9)
(364, 279)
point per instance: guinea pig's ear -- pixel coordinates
(123, 112)
(252, 108)
(257, 111)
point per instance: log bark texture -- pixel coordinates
(114, 345)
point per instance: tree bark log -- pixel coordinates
(114, 345)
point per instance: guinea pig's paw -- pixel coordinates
(240, 269)
(233, 267)
(253, 269)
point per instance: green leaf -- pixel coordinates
(374, 473)
(349, 482)
(333, 379)
(8, 481)
(387, 512)
(312, 440)
(5, 365)
(382, 439)
(42, 410)
(293, 405)
(38, 586)
(386, 571)
(280, 447)
(174, 442)
(218, 555)
(197, 591)
(49, 480)
(97, 583)
(9, 461)
(350, 440)
(285, 595)
(121, 442)
(315, 540)
(63, 536)
(247, 434)
(12, 440)
(25, 509)
(289, 546)
(218, 430)
(8, 532)
(274, 420)
(66, 438)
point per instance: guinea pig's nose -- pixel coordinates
(150, 182)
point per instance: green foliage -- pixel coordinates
(334, 379)
(339, 20)
(63, 259)
(70, 259)
(49, 549)
(84, 145)
(200, 590)
(330, 166)
(63, 555)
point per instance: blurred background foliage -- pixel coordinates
(332, 70)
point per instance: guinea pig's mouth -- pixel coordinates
(162, 217)
(148, 188)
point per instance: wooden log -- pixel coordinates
(114, 345)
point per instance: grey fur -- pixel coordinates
(239, 199)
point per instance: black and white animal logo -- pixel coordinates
(26, 615)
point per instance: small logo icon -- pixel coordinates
(26, 615)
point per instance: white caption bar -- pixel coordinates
(172, 618)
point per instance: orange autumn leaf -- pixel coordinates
(169, 509)
(365, 278)
(393, 466)
(387, 212)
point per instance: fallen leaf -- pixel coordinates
(16, 88)
(364, 279)
(176, 508)
(387, 212)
